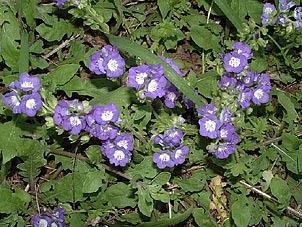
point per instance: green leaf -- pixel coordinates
(12, 202)
(144, 169)
(286, 102)
(57, 30)
(207, 84)
(204, 38)
(92, 181)
(300, 159)
(119, 195)
(145, 202)
(139, 51)
(164, 7)
(162, 178)
(240, 211)
(202, 218)
(224, 6)
(10, 52)
(169, 222)
(93, 152)
(281, 191)
(24, 53)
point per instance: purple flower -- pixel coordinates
(106, 147)
(180, 154)
(248, 79)
(156, 87)
(298, 13)
(264, 80)
(171, 96)
(284, 6)
(30, 104)
(105, 132)
(156, 70)
(245, 98)
(268, 10)
(12, 100)
(227, 81)
(225, 115)
(118, 156)
(224, 150)
(60, 3)
(29, 83)
(171, 63)
(137, 76)
(206, 110)
(243, 49)
(73, 123)
(163, 159)
(209, 126)
(189, 103)
(61, 110)
(159, 140)
(96, 63)
(106, 114)
(173, 136)
(282, 19)
(260, 95)
(114, 64)
(124, 141)
(226, 131)
(234, 62)
(39, 221)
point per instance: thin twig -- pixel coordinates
(61, 46)
(298, 214)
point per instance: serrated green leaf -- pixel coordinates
(93, 152)
(286, 102)
(10, 202)
(139, 51)
(144, 169)
(202, 218)
(38, 62)
(164, 7)
(207, 84)
(299, 157)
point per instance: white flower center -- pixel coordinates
(223, 133)
(27, 84)
(43, 223)
(74, 121)
(140, 78)
(119, 155)
(173, 134)
(164, 157)
(105, 128)
(234, 62)
(30, 104)
(210, 125)
(15, 101)
(54, 225)
(123, 143)
(171, 96)
(247, 79)
(112, 65)
(268, 10)
(107, 115)
(152, 86)
(178, 153)
(259, 94)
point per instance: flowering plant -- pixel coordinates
(162, 113)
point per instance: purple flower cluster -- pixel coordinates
(244, 85)
(24, 96)
(150, 82)
(107, 61)
(285, 16)
(60, 3)
(174, 152)
(47, 219)
(219, 128)
(100, 122)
